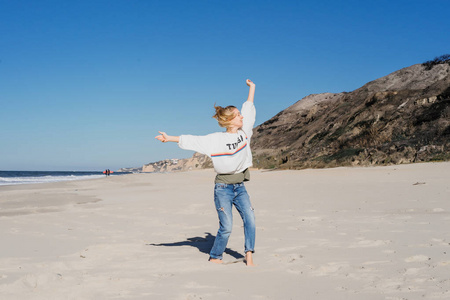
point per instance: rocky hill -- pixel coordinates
(197, 161)
(400, 118)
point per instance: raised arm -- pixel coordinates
(163, 137)
(251, 91)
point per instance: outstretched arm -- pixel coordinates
(163, 137)
(248, 110)
(251, 91)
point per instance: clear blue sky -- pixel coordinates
(86, 85)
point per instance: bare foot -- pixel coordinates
(216, 260)
(249, 259)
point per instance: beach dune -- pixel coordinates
(343, 233)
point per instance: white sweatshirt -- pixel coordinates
(230, 152)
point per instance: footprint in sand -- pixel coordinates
(369, 243)
(33, 281)
(413, 271)
(417, 258)
(330, 268)
(164, 275)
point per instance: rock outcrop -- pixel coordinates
(197, 161)
(400, 118)
(132, 170)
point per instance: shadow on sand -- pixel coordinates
(203, 244)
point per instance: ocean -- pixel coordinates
(27, 177)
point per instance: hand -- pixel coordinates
(249, 82)
(251, 90)
(163, 137)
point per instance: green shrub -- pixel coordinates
(341, 155)
(318, 137)
(441, 157)
(335, 135)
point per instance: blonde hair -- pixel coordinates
(224, 115)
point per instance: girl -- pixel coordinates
(231, 156)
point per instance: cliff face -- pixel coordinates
(133, 170)
(197, 161)
(402, 117)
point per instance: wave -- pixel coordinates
(44, 179)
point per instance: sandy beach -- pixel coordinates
(343, 233)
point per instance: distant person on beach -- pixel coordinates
(231, 156)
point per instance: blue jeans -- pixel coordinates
(225, 196)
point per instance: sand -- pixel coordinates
(344, 233)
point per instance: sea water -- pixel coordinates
(27, 177)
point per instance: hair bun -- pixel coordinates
(224, 115)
